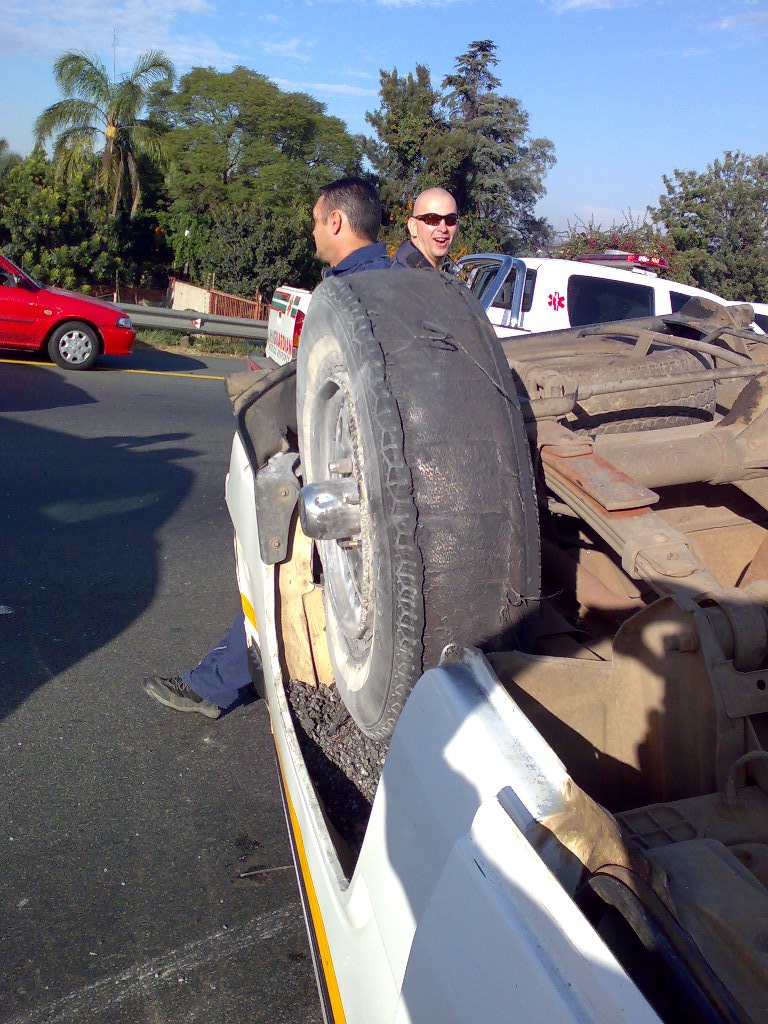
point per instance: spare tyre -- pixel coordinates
(548, 361)
(404, 395)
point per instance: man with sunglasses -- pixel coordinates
(432, 228)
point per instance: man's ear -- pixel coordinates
(411, 225)
(336, 220)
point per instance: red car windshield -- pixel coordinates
(21, 272)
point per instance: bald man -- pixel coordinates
(432, 228)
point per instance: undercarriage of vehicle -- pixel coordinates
(649, 676)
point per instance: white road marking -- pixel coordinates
(169, 970)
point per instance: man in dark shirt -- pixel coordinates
(432, 228)
(347, 218)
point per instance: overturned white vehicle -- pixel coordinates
(535, 577)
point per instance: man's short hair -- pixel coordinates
(359, 200)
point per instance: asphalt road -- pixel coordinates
(145, 873)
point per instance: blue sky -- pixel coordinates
(628, 90)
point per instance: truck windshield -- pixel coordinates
(592, 300)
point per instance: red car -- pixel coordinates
(73, 328)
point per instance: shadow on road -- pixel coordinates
(159, 360)
(51, 390)
(80, 520)
(141, 358)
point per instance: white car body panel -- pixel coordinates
(450, 914)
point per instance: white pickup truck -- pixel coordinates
(530, 295)
(525, 295)
(512, 606)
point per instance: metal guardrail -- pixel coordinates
(190, 321)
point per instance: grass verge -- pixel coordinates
(175, 341)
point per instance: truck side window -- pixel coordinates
(677, 300)
(480, 280)
(595, 301)
(503, 298)
(528, 289)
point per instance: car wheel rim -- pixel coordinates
(75, 346)
(345, 561)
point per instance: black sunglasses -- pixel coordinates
(433, 219)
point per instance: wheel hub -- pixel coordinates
(335, 510)
(75, 346)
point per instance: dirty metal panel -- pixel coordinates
(614, 490)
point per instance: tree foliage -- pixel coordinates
(405, 122)
(246, 157)
(237, 138)
(8, 159)
(718, 223)
(470, 139)
(56, 231)
(251, 252)
(61, 232)
(102, 116)
(635, 234)
(497, 169)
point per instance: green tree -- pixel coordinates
(251, 252)
(59, 232)
(469, 139)
(8, 159)
(489, 160)
(236, 137)
(718, 223)
(102, 116)
(406, 120)
(62, 233)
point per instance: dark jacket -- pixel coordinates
(369, 257)
(411, 258)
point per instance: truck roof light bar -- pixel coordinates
(612, 258)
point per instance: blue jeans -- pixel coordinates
(224, 670)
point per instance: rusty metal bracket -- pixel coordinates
(277, 491)
(648, 546)
(601, 480)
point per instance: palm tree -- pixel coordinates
(98, 108)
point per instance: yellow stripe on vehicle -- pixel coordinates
(248, 611)
(332, 988)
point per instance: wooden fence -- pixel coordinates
(217, 303)
(223, 304)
